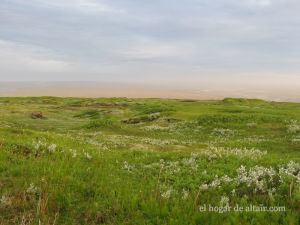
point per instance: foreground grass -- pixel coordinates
(127, 161)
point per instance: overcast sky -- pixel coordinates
(150, 41)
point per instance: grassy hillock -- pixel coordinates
(148, 161)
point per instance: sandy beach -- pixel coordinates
(102, 89)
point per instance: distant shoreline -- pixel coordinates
(108, 90)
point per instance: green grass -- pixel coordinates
(86, 162)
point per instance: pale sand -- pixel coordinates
(105, 91)
(97, 89)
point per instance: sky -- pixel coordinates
(157, 41)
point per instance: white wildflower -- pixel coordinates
(255, 139)
(257, 177)
(162, 163)
(39, 145)
(203, 187)
(296, 139)
(224, 202)
(233, 192)
(52, 147)
(291, 170)
(221, 132)
(251, 124)
(5, 200)
(226, 179)
(73, 152)
(87, 155)
(167, 194)
(220, 152)
(191, 162)
(32, 189)
(293, 127)
(155, 128)
(127, 167)
(185, 194)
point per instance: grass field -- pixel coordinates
(149, 161)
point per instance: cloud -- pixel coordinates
(260, 3)
(19, 60)
(85, 6)
(126, 40)
(150, 49)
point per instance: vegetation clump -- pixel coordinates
(140, 119)
(37, 115)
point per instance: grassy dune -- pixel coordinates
(148, 161)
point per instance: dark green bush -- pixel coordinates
(100, 123)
